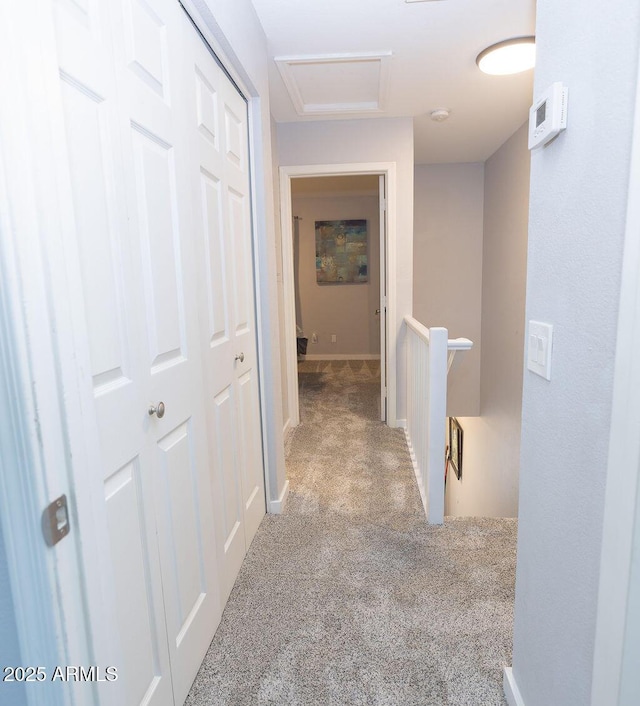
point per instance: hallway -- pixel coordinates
(349, 597)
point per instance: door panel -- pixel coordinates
(152, 67)
(235, 131)
(214, 258)
(227, 488)
(96, 219)
(250, 453)
(114, 338)
(147, 51)
(134, 583)
(237, 230)
(178, 499)
(160, 245)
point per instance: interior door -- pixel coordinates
(382, 196)
(220, 175)
(109, 283)
(152, 67)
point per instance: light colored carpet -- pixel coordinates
(350, 597)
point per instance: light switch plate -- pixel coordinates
(539, 345)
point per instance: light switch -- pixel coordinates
(539, 351)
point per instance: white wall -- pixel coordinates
(9, 644)
(577, 219)
(346, 310)
(447, 267)
(237, 29)
(379, 140)
(489, 484)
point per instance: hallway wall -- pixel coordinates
(447, 267)
(489, 484)
(579, 195)
(346, 310)
(470, 274)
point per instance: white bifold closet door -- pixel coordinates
(157, 144)
(220, 181)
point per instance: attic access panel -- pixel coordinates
(336, 83)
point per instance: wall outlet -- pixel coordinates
(314, 337)
(334, 338)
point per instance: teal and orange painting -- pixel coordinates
(341, 252)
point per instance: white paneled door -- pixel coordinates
(220, 183)
(157, 141)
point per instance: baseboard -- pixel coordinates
(401, 423)
(286, 429)
(276, 507)
(511, 691)
(342, 356)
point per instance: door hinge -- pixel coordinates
(55, 521)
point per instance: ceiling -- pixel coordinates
(342, 59)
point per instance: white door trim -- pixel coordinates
(388, 170)
(619, 579)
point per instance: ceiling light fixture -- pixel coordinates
(439, 115)
(509, 57)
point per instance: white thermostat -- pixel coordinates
(548, 115)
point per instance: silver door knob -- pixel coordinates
(240, 357)
(158, 411)
(377, 312)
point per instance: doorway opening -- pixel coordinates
(337, 284)
(348, 310)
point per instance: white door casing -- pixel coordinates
(382, 198)
(387, 173)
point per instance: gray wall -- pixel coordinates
(577, 218)
(447, 267)
(9, 646)
(346, 310)
(489, 485)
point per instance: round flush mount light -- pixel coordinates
(439, 115)
(509, 57)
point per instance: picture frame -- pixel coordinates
(342, 255)
(455, 446)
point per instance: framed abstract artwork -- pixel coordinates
(341, 252)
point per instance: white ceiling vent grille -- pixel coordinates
(333, 84)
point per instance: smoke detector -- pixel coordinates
(439, 115)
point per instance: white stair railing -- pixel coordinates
(430, 355)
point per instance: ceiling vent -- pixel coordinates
(335, 84)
